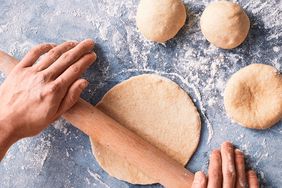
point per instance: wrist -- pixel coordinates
(8, 131)
(7, 138)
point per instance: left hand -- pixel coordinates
(227, 170)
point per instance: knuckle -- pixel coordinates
(33, 71)
(76, 69)
(60, 81)
(69, 44)
(52, 89)
(54, 54)
(67, 56)
(72, 98)
(42, 95)
(230, 174)
(35, 50)
(215, 174)
(39, 48)
(46, 76)
(42, 78)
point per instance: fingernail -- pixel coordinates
(215, 152)
(198, 177)
(252, 173)
(227, 145)
(93, 53)
(84, 85)
(90, 40)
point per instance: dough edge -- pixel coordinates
(149, 180)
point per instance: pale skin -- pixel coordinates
(36, 94)
(46, 83)
(227, 170)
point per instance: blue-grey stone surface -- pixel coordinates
(61, 157)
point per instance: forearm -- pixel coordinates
(7, 138)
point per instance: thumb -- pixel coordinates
(72, 95)
(200, 180)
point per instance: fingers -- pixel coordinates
(200, 180)
(228, 166)
(33, 55)
(74, 71)
(215, 170)
(72, 95)
(252, 179)
(70, 57)
(54, 54)
(227, 169)
(240, 169)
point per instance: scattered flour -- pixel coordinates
(61, 125)
(202, 71)
(97, 177)
(276, 48)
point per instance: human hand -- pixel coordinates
(36, 94)
(227, 170)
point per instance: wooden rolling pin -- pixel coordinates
(106, 131)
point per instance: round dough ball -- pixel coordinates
(225, 24)
(160, 20)
(156, 109)
(253, 96)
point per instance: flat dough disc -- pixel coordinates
(253, 96)
(158, 110)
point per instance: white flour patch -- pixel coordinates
(97, 177)
(61, 126)
(37, 154)
(276, 48)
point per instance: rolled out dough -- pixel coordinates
(158, 110)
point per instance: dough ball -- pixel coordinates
(156, 109)
(253, 96)
(225, 24)
(160, 20)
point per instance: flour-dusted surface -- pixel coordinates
(61, 155)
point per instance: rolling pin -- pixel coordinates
(109, 133)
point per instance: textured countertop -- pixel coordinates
(61, 157)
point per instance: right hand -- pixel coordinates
(36, 94)
(227, 170)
